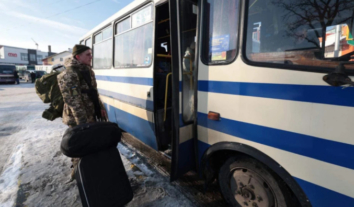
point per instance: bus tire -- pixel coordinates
(246, 182)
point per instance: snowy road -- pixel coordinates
(33, 171)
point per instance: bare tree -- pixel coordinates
(316, 14)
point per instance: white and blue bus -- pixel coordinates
(251, 93)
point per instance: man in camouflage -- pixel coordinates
(79, 108)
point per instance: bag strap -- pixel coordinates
(92, 92)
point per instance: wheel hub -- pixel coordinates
(250, 189)
(247, 194)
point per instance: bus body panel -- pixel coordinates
(292, 116)
(280, 112)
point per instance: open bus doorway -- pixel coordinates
(174, 82)
(162, 80)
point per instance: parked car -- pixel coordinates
(40, 73)
(27, 75)
(7, 73)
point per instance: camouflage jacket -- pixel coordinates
(78, 107)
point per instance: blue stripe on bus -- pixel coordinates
(318, 196)
(325, 150)
(136, 126)
(306, 93)
(124, 79)
(323, 197)
(142, 103)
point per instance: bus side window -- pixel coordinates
(221, 31)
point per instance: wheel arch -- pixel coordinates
(210, 165)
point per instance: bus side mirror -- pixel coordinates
(339, 43)
(338, 77)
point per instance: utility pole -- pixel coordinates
(35, 42)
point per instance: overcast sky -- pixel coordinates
(59, 23)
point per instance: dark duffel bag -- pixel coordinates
(102, 180)
(86, 139)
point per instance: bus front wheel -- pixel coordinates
(245, 182)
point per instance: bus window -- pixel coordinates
(221, 32)
(88, 42)
(134, 48)
(102, 53)
(291, 32)
(123, 26)
(141, 17)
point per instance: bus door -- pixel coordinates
(183, 27)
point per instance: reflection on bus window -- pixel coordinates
(123, 26)
(107, 33)
(102, 57)
(339, 41)
(220, 35)
(291, 32)
(134, 48)
(88, 42)
(141, 17)
(102, 53)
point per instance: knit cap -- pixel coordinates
(78, 49)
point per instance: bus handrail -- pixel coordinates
(166, 92)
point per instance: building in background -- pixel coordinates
(22, 56)
(58, 58)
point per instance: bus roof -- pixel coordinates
(117, 15)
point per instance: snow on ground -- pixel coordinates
(33, 171)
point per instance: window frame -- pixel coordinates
(137, 11)
(39, 58)
(129, 15)
(303, 68)
(24, 56)
(100, 32)
(93, 42)
(205, 25)
(120, 21)
(32, 57)
(88, 40)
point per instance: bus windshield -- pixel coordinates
(302, 32)
(7, 69)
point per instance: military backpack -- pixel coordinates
(48, 90)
